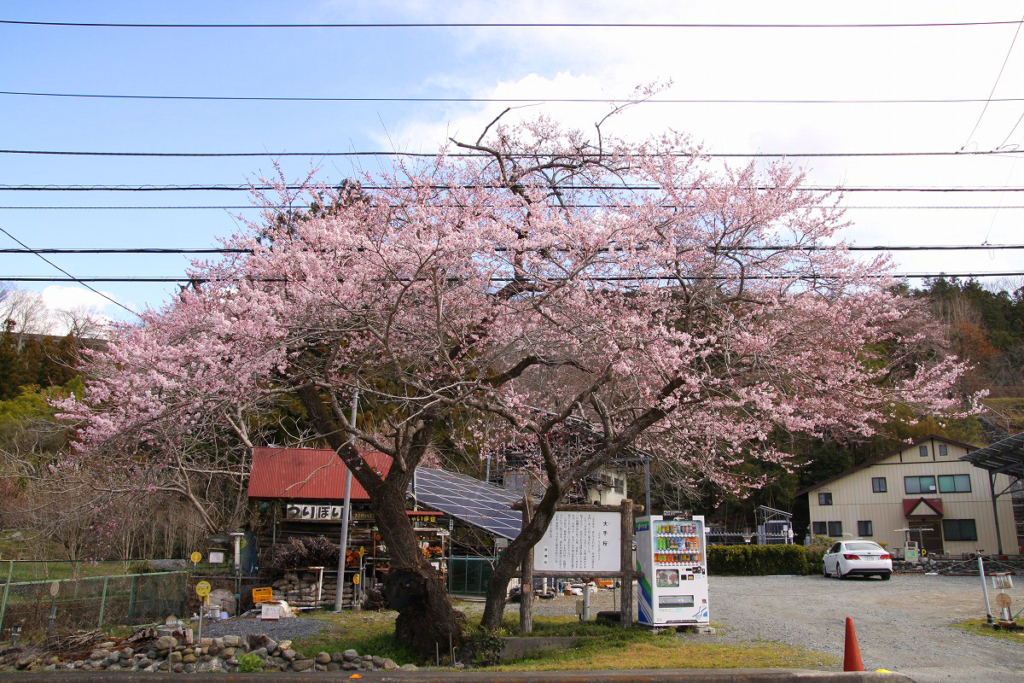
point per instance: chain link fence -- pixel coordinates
(90, 602)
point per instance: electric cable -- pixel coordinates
(433, 155)
(403, 25)
(477, 186)
(992, 92)
(72, 278)
(496, 100)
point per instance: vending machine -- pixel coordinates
(672, 556)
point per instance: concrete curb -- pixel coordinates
(619, 676)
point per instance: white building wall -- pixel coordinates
(853, 499)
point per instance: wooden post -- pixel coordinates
(626, 602)
(526, 585)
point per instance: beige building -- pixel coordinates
(924, 486)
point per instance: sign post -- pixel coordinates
(203, 591)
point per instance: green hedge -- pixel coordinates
(762, 560)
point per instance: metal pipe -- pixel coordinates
(647, 485)
(7, 589)
(995, 510)
(346, 511)
(984, 588)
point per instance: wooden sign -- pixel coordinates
(262, 595)
(581, 541)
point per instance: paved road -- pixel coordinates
(904, 625)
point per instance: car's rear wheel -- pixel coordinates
(886, 577)
(839, 572)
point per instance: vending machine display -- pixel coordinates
(672, 556)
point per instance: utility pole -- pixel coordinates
(346, 511)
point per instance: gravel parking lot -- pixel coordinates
(904, 625)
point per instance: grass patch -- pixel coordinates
(600, 646)
(369, 633)
(978, 628)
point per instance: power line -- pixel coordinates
(992, 92)
(770, 247)
(248, 188)
(499, 100)
(419, 25)
(432, 155)
(222, 207)
(625, 278)
(69, 276)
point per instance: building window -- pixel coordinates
(919, 484)
(878, 485)
(943, 449)
(923, 450)
(959, 530)
(954, 483)
(865, 528)
(819, 528)
(835, 529)
(824, 499)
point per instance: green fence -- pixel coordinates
(91, 601)
(469, 575)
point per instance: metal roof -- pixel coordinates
(471, 500)
(1002, 456)
(306, 474)
(318, 474)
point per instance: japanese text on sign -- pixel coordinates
(580, 541)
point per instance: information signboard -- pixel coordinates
(580, 541)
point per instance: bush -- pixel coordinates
(762, 560)
(249, 663)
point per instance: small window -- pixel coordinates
(819, 529)
(865, 528)
(835, 549)
(943, 449)
(835, 529)
(824, 499)
(923, 450)
(959, 530)
(919, 484)
(954, 483)
(878, 485)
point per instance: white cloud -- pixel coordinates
(924, 63)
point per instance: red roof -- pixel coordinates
(910, 503)
(306, 474)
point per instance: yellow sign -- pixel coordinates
(203, 588)
(362, 550)
(196, 557)
(262, 595)
(355, 579)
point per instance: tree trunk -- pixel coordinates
(515, 554)
(426, 621)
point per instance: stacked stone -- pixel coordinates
(298, 589)
(211, 655)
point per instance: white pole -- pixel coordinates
(586, 601)
(984, 588)
(346, 510)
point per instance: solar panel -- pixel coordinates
(468, 499)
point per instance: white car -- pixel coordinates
(860, 558)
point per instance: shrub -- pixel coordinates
(250, 663)
(762, 560)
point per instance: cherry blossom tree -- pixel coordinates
(543, 278)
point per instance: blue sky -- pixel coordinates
(487, 62)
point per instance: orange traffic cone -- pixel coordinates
(851, 658)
